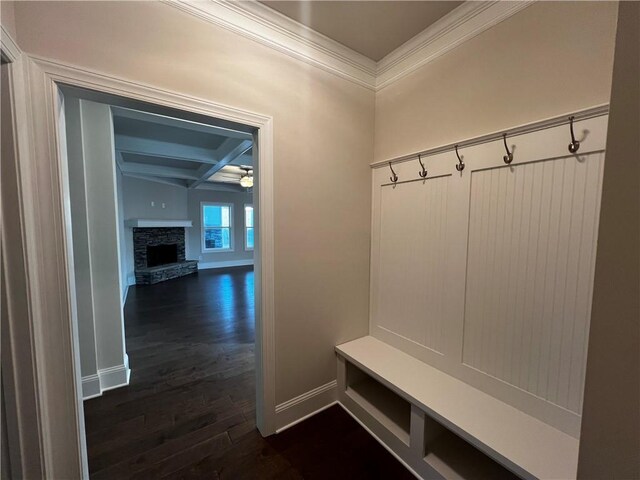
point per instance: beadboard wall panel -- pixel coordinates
(487, 273)
(529, 272)
(412, 302)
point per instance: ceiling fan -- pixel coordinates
(246, 180)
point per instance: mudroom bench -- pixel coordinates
(441, 427)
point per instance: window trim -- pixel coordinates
(244, 220)
(203, 228)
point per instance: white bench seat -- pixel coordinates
(520, 442)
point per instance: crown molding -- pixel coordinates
(455, 28)
(8, 47)
(258, 22)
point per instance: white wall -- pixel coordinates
(549, 59)
(323, 133)
(610, 437)
(7, 14)
(194, 239)
(324, 129)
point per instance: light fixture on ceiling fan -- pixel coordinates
(246, 180)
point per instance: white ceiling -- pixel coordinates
(372, 28)
(180, 152)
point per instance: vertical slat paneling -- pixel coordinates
(584, 290)
(532, 231)
(411, 267)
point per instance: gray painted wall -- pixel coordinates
(137, 198)
(97, 240)
(194, 242)
(122, 237)
(100, 181)
(181, 203)
(80, 232)
(169, 202)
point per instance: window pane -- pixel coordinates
(225, 217)
(216, 215)
(217, 238)
(249, 239)
(226, 240)
(212, 216)
(248, 216)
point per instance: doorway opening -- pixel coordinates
(163, 236)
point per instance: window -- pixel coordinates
(248, 227)
(217, 227)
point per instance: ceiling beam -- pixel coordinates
(221, 187)
(227, 153)
(179, 123)
(158, 171)
(166, 181)
(158, 148)
(244, 159)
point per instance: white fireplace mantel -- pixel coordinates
(146, 223)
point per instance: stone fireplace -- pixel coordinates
(159, 254)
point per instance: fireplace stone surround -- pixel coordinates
(160, 236)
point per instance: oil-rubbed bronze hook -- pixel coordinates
(460, 164)
(423, 173)
(575, 144)
(393, 177)
(508, 158)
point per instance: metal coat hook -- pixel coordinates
(393, 177)
(574, 146)
(508, 158)
(423, 173)
(460, 164)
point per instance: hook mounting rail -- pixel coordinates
(552, 122)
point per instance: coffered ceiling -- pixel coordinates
(188, 154)
(372, 28)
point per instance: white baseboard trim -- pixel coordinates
(114, 377)
(91, 387)
(306, 405)
(224, 264)
(106, 379)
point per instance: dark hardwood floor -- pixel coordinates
(189, 411)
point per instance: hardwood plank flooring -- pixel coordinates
(189, 411)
